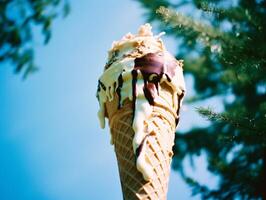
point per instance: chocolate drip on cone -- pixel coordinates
(180, 97)
(100, 84)
(134, 92)
(118, 90)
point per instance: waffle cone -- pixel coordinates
(158, 147)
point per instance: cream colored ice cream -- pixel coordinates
(137, 66)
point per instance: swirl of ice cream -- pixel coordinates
(137, 65)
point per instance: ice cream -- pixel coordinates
(137, 67)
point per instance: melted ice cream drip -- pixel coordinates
(137, 65)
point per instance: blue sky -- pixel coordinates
(51, 145)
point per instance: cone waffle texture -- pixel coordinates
(159, 144)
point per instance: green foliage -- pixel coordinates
(18, 20)
(224, 48)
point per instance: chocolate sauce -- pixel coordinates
(149, 89)
(140, 147)
(100, 84)
(180, 97)
(168, 78)
(112, 59)
(118, 90)
(134, 92)
(151, 67)
(149, 64)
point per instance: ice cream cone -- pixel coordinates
(158, 148)
(140, 92)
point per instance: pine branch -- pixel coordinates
(244, 123)
(232, 14)
(203, 31)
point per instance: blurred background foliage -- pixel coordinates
(224, 48)
(18, 21)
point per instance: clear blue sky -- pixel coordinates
(51, 146)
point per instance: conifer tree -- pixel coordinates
(223, 44)
(19, 19)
